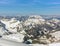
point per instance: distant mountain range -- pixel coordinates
(20, 17)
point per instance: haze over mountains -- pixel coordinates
(26, 16)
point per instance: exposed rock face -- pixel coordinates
(41, 32)
(3, 30)
(36, 37)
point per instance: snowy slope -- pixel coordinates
(14, 37)
(4, 42)
(12, 25)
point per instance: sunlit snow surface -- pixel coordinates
(4, 42)
(14, 37)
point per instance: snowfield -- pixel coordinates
(4, 42)
(14, 37)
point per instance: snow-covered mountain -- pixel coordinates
(12, 25)
(34, 30)
(34, 20)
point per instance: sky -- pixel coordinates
(42, 7)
